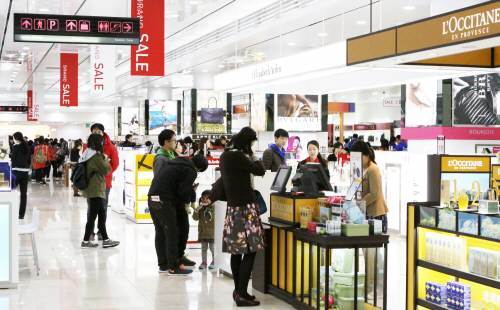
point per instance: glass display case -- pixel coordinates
(5, 176)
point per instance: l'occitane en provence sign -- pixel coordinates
(465, 164)
(460, 26)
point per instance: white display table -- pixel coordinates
(9, 239)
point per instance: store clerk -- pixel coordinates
(315, 156)
(376, 207)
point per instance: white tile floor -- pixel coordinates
(124, 277)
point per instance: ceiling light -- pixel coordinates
(173, 15)
(322, 34)
(361, 22)
(204, 71)
(291, 44)
(409, 8)
(43, 10)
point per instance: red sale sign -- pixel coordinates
(147, 58)
(32, 114)
(68, 93)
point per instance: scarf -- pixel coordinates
(278, 150)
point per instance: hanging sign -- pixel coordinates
(147, 58)
(102, 70)
(75, 29)
(69, 80)
(33, 107)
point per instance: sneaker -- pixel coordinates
(187, 262)
(179, 272)
(108, 243)
(88, 244)
(163, 270)
(203, 266)
(99, 236)
(212, 266)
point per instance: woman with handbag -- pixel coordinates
(243, 235)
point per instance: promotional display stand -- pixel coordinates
(138, 178)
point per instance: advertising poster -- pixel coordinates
(162, 115)
(356, 167)
(421, 100)
(102, 70)
(298, 112)
(211, 108)
(129, 121)
(68, 82)
(241, 112)
(258, 121)
(475, 100)
(148, 58)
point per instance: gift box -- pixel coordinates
(435, 292)
(458, 296)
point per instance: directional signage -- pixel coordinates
(14, 108)
(76, 29)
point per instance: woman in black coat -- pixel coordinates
(243, 235)
(21, 160)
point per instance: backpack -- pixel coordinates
(40, 156)
(79, 176)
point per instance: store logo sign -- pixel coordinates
(266, 72)
(470, 26)
(465, 164)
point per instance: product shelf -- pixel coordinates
(458, 233)
(430, 305)
(460, 274)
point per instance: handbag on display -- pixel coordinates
(259, 199)
(212, 115)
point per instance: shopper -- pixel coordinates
(315, 156)
(50, 156)
(337, 143)
(274, 156)
(171, 189)
(352, 141)
(109, 149)
(166, 152)
(74, 157)
(128, 141)
(372, 194)
(401, 145)
(384, 143)
(40, 158)
(20, 157)
(205, 215)
(53, 150)
(97, 167)
(243, 233)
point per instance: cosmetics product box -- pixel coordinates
(458, 296)
(447, 219)
(488, 207)
(490, 226)
(428, 216)
(484, 262)
(435, 292)
(468, 223)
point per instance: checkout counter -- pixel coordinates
(309, 268)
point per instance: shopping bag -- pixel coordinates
(212, 115)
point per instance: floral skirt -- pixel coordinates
(243, 232)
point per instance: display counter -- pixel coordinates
(9, 240)
(452, 251)
(138, 178)
(318, 268)
(304, 266)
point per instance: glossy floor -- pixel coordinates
(125, 277)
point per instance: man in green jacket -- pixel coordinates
(166, 152)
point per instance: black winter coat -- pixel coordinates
(174, 182)
(20, 156)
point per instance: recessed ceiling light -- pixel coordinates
(291, 44)
(409, 8)
(361, 22)
(322, 34)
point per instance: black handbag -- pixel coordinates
(259, 200)
(212, 115)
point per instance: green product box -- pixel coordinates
(355, 230)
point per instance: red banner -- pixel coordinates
(29, 102)
(147, 58)
(69, 80)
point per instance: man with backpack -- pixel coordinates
(40, 158)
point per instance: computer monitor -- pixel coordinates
(281, 179)
(311, 179)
